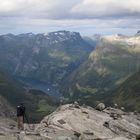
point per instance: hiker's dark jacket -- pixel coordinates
(20, 110)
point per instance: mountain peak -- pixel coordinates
(114, 37)
(64, 33)
(119, 38)
(138, 33)
(60, 36)
(30, 34)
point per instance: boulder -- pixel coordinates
(100, 107)
(122, 108)
(138, 137)
(135, 112)
(116, 106)
(76, 105)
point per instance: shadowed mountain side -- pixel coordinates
(38, 104)
(113, 61)
(43, 57)
(128, 94)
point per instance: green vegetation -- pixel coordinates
(128, 94)
(38, 104)
(86, 89)
(108, 66)
(44, 58)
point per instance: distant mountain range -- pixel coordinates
(114, 60)
(45, 57)
(81, 68)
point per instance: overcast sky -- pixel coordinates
(85, 16)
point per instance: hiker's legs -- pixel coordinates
(20, 123)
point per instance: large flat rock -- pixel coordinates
(89, 123)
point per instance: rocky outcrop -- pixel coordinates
(73, 122)
(85, 123)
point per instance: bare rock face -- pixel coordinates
(85, 123)
(73, 122)
(9, 131)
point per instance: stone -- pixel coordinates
(138, 137)
(106, 124)
(115, 116)
(2, 134)
(122, 108)
(61, 121)
(135, 112)
(87, 132)
(84, 112)
(63, 138)
(77, 134)
(84, 106)
(100, 107)
(116, 106)
(76, 105)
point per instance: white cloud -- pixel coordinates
(40, 15)
(37, 8)
(107, 8)
(65, 9)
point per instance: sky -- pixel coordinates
(85, 16)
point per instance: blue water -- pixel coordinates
(38, 85)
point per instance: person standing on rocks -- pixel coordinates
(20, 116)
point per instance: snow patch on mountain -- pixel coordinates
(130, 40)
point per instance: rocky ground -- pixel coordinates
(74, 122)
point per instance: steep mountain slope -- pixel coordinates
(93, 40)
(128, 94)
(5, 108)
(110, 64)
(37, 103)
(47, 58)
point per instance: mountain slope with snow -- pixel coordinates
(115, 58)
(44, 57)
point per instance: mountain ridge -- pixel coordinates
(113, 61)
(55, 54)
